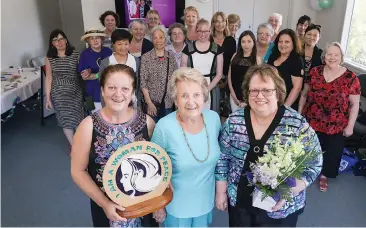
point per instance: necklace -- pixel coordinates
(189, 146)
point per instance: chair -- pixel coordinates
(38, 61)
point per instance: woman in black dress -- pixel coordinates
(286, 58)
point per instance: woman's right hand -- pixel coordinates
(110, 209)
(48, 104)
(151, 109)
(221, 201)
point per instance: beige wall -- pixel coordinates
(25, 29)
(92, 9)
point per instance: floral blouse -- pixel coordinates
(327, 103)
(234, 144)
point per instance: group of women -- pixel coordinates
(173, 90)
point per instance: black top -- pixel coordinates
(147, 46)
(244, 198)
(292, 66)
(229, 49)
(239, 67)
(313, 62)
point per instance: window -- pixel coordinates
(354, 34)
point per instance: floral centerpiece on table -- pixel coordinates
(275, 173)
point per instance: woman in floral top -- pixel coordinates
(247, 135)
(330, 102)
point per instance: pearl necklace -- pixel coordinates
(189, 146)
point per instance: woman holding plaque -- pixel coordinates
(189, 136)
(99, 135)
(247, 135)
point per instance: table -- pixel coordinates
(23, 88)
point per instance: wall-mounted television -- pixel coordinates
(170, 10)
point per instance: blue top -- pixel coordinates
(91, 59)
(234, 144)
(268, 53)
(193, 182)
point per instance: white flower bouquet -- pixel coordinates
(275, 173)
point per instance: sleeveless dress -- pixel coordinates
(106, 139)
(67, 91)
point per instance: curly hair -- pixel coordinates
(107, 13)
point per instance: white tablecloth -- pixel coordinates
(27, 85)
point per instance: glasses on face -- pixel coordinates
(233, 26)
(263, 34)
(177, 34)
(58, 40)
(203, 31)
(265, 92)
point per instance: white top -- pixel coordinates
(131, 62)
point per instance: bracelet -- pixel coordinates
(97, 75)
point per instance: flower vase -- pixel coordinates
(267, 204)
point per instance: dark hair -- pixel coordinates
(121, 34)
(295, 41)
(118, 68)
(312, 26)
(52, 51)
(240, 52)
(107, 13)
(303, 19)
(177, 25)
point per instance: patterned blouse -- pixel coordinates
(153, 73)
(327, 103)
(234, 144)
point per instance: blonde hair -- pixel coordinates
(213, 20)
(265, 71)
(193, 9)
(187, 74)
(153, 12)
(334, 44)
(234, 18)
(202, 21)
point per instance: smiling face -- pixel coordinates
(59, 42)
(333, 56)
(312, 37)
(264, 36)
(220, 24)
(189, 99)
(285, 44)
(158, 39)
(95, 42)
(191, 18)
(203, 32)
(138, 31)
(118, 91)
(110, 23)
(262, 103)
(275, 22)
(121, 47)
(177, 36)
(153, 20)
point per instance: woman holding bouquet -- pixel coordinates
(247, 135)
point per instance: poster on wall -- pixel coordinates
(137, 9)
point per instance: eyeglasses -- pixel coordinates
(58, 40)
(263, 34)
(265, 92)
(177, 34)
(203, 31)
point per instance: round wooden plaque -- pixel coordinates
(136, 177)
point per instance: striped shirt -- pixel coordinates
(234, 144)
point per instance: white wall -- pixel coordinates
(206, 9)
(300, 8)
(332, 21)
(25, 29)
(92, 9)
(72, 20)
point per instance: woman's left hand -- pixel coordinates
(348, 131)
(159, 215)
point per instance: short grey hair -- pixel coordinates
(267, 26)
(159, 28)
(138, 21)
(276, 15)
(188, 74)
(177, 25)
(334, 44)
